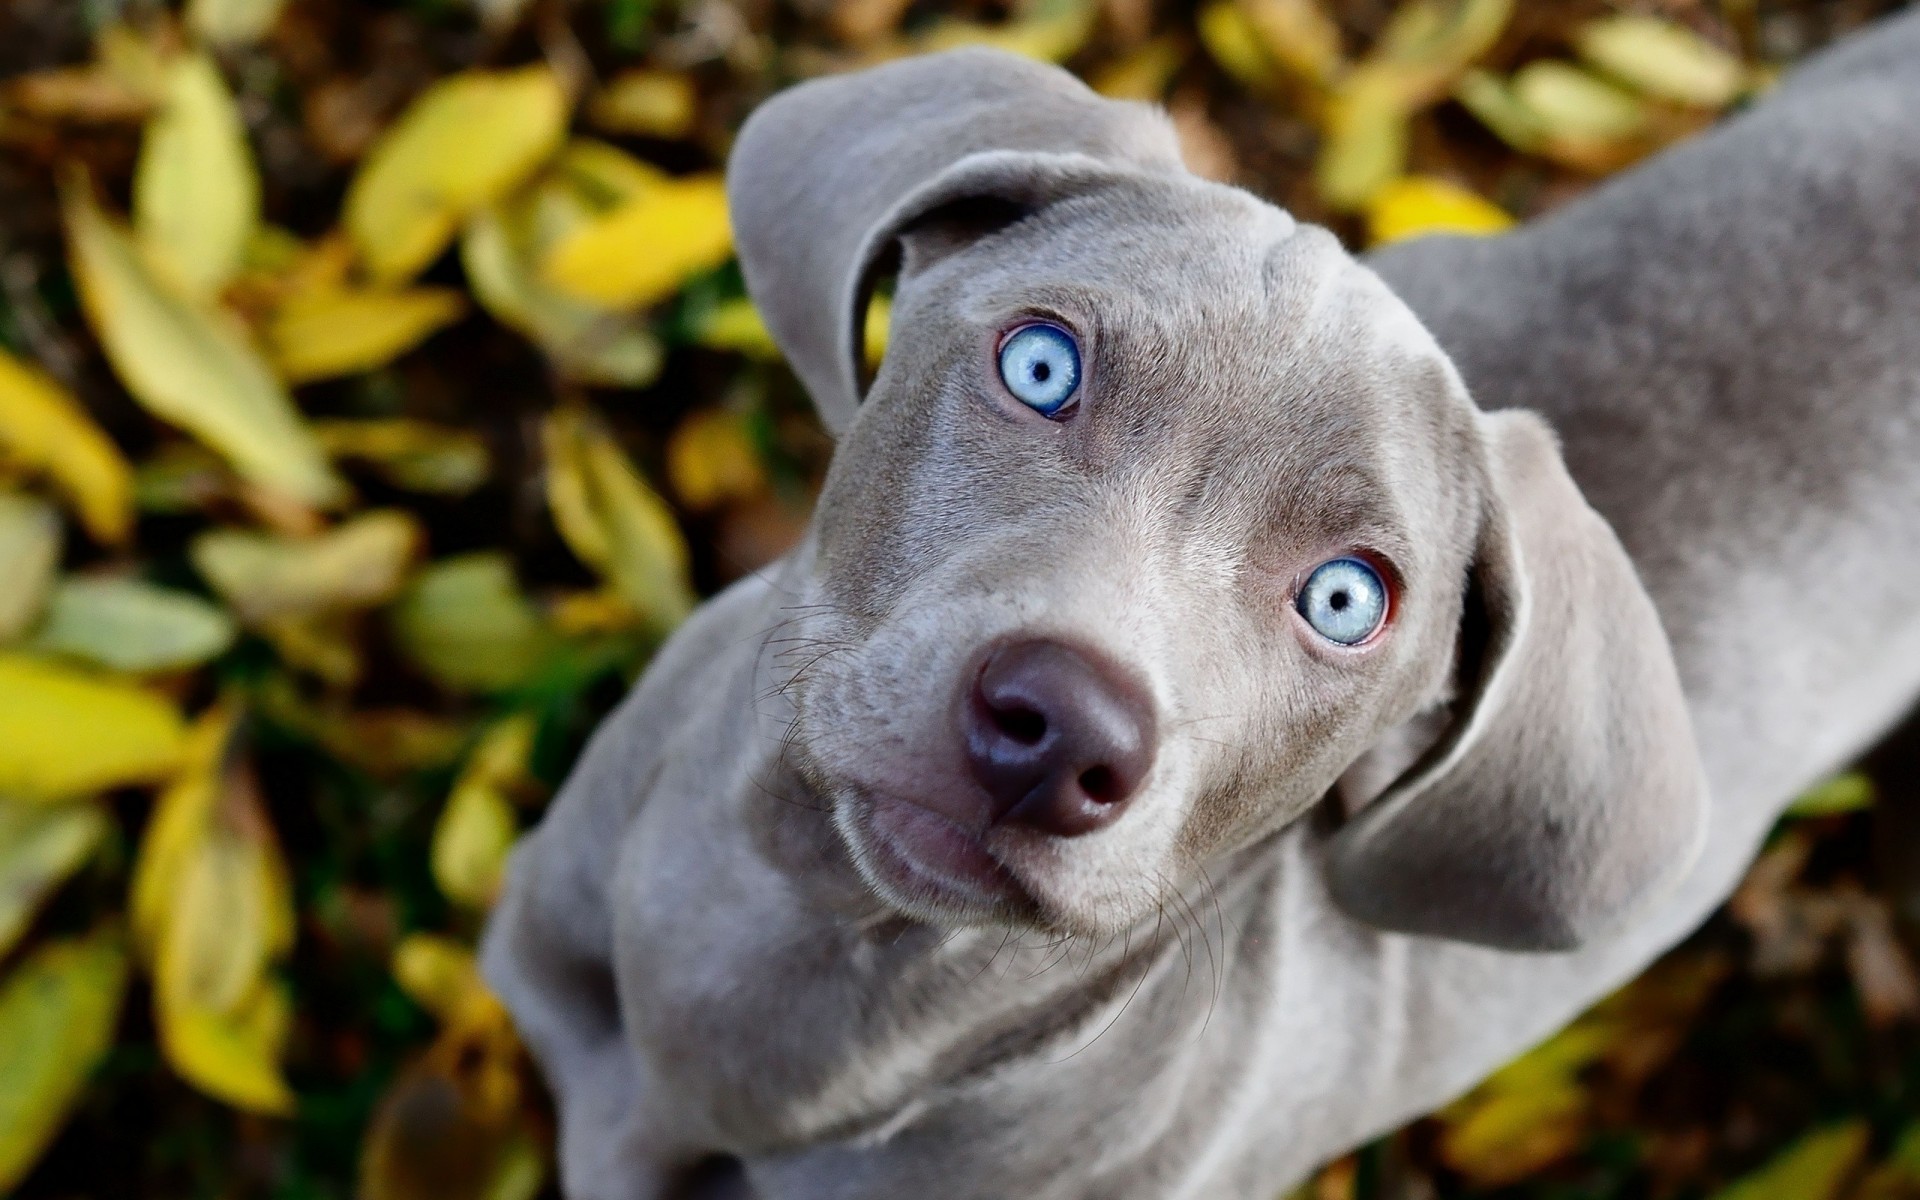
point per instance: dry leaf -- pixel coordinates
(464, 144)
(358, 564)
(648, 248)
(416, 455)
(1662, 60)
(1418, 205)
(191, 365)
(29, 553)
(477, 828)
(383, 742)
(1882, 970)
(645, 103)
(40, 846)
(613, 521)
(58, 1010)
(466, 623)
(71, 732)
(45, 429)
(128, 625)
(232, 22)
(321, 335)
(196, 195)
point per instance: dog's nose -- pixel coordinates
(1059, 741)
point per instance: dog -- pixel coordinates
(1230, 697)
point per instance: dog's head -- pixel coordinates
(1161, 514)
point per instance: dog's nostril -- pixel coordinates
(1099, 784)
(1023, 725)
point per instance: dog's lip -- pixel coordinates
(927, 856)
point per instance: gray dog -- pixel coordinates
(1190, 713)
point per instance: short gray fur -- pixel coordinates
(697, 943)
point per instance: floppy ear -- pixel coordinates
(826, 175)
(1568, 791)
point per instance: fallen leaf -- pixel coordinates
(437, 973)
(613, 521)
(464, 144)
(1882, 970)
(1578, 109)
(1417, 205)
(212, 908)
(329, 334)
(645, 103)
(1365, 143)
(71, 732)
(40, 846)
(1050, 31)
(737, 326)
(477, 828)
(58, 1010)
(1488, 97)
(191, 365)
(45, 429)
(1662, 60)
(417, 455)
(711, 460)
(648, 248)
(128, 625)
(1850, 792)
(196, 195)
(1516, 1133)
(1813, 1168)
(29, 553)
(1233, 42)
(1898, 1177)
(232, 22)
(358, 564)
(1144, 73)
(467, 624)
(1299, 36)
(383, 742)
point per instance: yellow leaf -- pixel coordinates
(613, 520)
(736, 325)
(1142, 74)
(466, 622)
(711, 460)
(437, 973)
(415, 455)
(44, 428)
(196, 196)
(191, 365)
(464, 144)
(1515, 1133)
(1053, 32)
(70, 732)
(645, 103)
(1229, 36)
(40, 845)
(1432, 41)
(128, 625)
(232, 22)
(1851, 792)
(1813, 1168)
(212, 907)
(1365, 145)
(1488, 97)
(57, 1014)
(29, 552)
(646, 249)
(383, 742)
(1662, 59)
(1298, 35)
(358, 564)
(327, 334)
(1574, 105)
(1421, 204)
(477, 827)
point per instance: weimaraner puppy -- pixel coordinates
(1211, 720)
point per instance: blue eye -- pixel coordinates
(1040, 365)
(1345, 601)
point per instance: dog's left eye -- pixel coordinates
(1345, 601)
(1040, 364)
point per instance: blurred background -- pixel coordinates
(376, 391)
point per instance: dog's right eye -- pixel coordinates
(1040, 364)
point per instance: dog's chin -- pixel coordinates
(930, 868)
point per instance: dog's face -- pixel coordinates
(1159, 514)
(1053, 664)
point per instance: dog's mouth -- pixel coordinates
(929, 865)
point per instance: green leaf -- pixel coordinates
(29, 552)
(1851, 792)
(57, 1013)
(132, 626)
(1813, 1168)
(466, 622)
